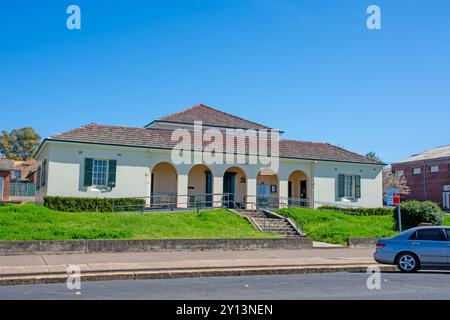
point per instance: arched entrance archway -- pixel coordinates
(200, 186)
(163, 186)
(235, 187)
(298, 189)
(268, 188)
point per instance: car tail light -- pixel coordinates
(380, 245)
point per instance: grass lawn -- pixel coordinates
(31, 222)
(447, 220)
(337, 227)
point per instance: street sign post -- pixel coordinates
(393, 199)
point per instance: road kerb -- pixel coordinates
(187, 273)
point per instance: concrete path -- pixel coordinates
(326, 245)
(52, 268)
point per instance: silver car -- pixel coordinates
(416, 248)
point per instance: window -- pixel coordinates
(99, 173)
(417, 171)
(399, 173)
(448, 233)
(434, 169)
(348, 186)
(435, 234)
(16, 175)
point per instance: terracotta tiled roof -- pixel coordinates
(212, 117)
(161, 138)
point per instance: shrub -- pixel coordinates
(360, 211)
(415, 212)
(74, 204)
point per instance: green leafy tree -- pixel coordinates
(19, 144)
(373, 155)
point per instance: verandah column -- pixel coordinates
(182, 191)
(284, 193)
(251, 193)
(218, 191)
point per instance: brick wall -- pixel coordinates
(7, 178)
(25, 167)
(426, 185)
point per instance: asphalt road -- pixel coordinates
(423, 285)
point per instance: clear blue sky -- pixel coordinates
(310, 68)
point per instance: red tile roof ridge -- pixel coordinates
(201, 105)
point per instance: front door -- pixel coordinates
(229, 188)
(1, 188)
(208, 191)
(303, 194)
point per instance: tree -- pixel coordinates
(391, 180)
(19, 144)
(373, 155)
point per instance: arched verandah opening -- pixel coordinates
(267, 189)
(163, 186)
(298, 189)
(235, 187)
(200, 186)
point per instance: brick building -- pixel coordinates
(427, 175)
(17, 180)
(6, 171)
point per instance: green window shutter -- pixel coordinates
(88, 172)
(341, 185)
(357, 186)
(112, 168)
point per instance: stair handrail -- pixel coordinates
(300, 231)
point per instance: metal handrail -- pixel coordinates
(191, 202)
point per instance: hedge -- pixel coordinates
(74, 204)
(414, 212)
(360, 211)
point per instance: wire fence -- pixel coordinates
(22, 189)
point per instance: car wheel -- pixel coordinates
(408, 262)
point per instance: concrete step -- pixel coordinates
(276, 228)
(272, 224)
(293, 232)
(279, 230)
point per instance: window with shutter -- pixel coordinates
(112, 168)
(88, 162)
(357, 186)
(341, 185)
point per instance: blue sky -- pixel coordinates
(310, 68)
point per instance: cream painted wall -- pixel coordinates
(326, 183)
(42, 191)
(134, 167)
(197, 180)
(66, 170)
